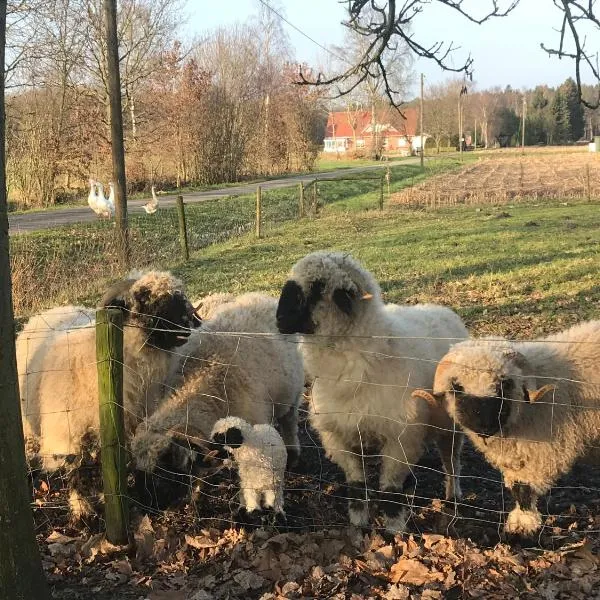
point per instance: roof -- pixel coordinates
(339, 123)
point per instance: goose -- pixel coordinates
(106, 206)
(152, 206)
(93, 196)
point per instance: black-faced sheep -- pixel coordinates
(260, 457)
(57, 367)
(531, 408)
(365, 359)
(221, 372)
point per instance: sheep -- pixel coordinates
(57, 368)
(209, 305)
(221, 372)
(260, 455)
(531, 408)
(365, 360)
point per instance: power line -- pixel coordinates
(328, 50)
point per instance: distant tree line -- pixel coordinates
(495, 116)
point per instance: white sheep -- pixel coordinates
(222, 371)
(365, 359)
(260, 456)
(56, 359)
(207, 306)
(532, 408)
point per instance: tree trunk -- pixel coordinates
(21, 575)
(116, 130)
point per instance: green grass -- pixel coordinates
(531, 272)
(505, 276)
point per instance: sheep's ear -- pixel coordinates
(427, 396)
(344, 300)
(117, 295)
(142, 296)
(537, 395)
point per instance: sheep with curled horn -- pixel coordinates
(56, 359)
(531, 408)
(365, 359)
(222, 371)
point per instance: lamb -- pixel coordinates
(220, 373)
(57, 368)
(261, 457)
(365, 360)
(531, 408)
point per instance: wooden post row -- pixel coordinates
(113, 454)
(183, 237)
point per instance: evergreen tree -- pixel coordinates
(561, 131)
(569, 90)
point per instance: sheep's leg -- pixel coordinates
(289, 433)
(251, 499)
(449, 445)
(524, 518)
(350, 463)
(397, 481)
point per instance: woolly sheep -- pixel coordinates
(531, 408)
(366, 360)
(56, 358)
(207, 306)
(220, 373)
(260, 456)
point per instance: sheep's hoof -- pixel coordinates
(247, 519)
(522, 522)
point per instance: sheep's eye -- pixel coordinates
(456, 387)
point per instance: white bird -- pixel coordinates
(152, 206)
(93, 196)
(106, 206)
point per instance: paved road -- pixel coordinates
(47, 219)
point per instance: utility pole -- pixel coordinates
(116, 129)
(21, 574)
(463, 91)
(475, 133)
(421, 119)
(523, 128)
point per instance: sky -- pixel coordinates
(506, 50)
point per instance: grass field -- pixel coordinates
(74, 263)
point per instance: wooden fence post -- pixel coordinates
(381, 192)
(258, 212)
(388, 177)
(588, 184)
(301, 200)
(182, 228)
(109, 357)
(315, 200)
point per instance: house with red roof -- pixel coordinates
(352, 131)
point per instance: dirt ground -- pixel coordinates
(200, 552)
(509, 178)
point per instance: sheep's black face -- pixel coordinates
(167, 318)
(172, 479)
(233, 438)
(484, 415)
(295, 308)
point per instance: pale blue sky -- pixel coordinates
(506, 50)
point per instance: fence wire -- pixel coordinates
(315, 492)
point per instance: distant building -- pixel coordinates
(351, 131)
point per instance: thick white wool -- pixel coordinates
(366, 364)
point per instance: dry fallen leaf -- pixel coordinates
(408, 570)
